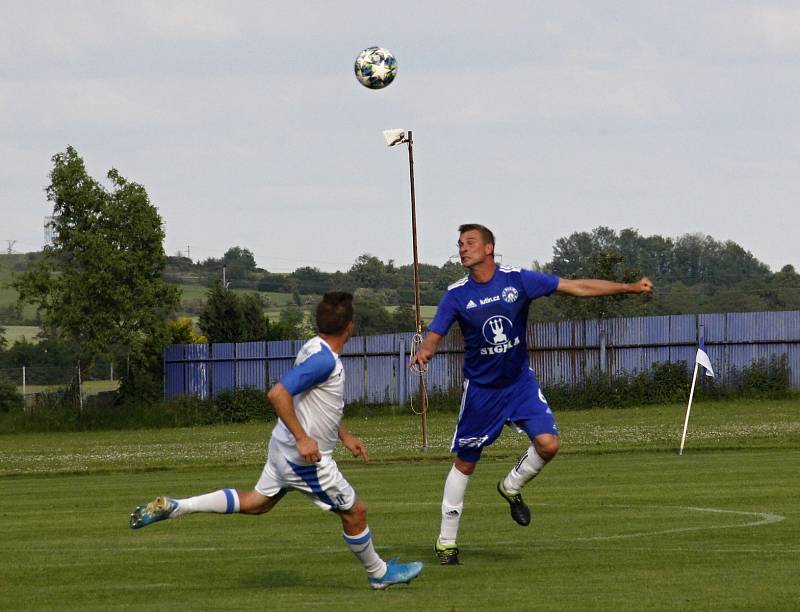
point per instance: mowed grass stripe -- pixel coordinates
(655, 429)
(71, 547)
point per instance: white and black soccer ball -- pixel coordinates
(375, 67)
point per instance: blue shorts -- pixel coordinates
(485, 410)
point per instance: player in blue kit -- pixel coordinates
(309, 401)
(490, 305)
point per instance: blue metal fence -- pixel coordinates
(560, 352)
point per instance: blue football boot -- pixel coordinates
(157, 510)
(397, 573)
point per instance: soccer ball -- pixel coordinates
(375, 67)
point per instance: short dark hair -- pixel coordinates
(486, 233)
(334, 312)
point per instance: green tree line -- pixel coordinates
(693, 273)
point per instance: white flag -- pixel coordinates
(703, 360)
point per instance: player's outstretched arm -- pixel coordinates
(281, 400)
(595, 287)
(353, 443)
(426, 350)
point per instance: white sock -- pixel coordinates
(455, 488)
(224, 501)
(528, 466)
(362, 547)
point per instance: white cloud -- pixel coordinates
(780, 27)
(189, 19)
(530, 92)
(64, 31)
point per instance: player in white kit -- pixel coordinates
(309, 401)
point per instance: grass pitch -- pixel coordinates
(620, 521)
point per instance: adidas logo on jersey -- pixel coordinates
(471, 304)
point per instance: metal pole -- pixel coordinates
(688, 410)
(80, 392)
(423, 398)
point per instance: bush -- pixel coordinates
(670, 382)
(241, 405)
(10, 399)
(54, 411)
(763, 379)
(183, 411)
(665, 382)
(62, 412)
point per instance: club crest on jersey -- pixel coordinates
(496, 330)
(510, 294)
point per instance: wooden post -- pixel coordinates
(423, 397)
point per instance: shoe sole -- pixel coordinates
(383, 587)
(446, 560)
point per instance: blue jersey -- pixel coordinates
(493, 317)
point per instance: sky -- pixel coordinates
(246, 125)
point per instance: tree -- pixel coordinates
(292, 323)
(181, 331)
(785, 287)
(571, 255)
(371, 318)
(404, 319)
(311, 280)
(369, 271)
(10, 398)
(239, 262)
(100, 284)
(231, 317)
(679, 298)
(222, 318)
(254, 323)
(144, 366)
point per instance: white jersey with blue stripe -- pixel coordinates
(316, 383)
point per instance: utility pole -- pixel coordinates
(10, 249)
(394, 137)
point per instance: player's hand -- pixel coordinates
(645, 285)
(420, 358)
(356, 446)
(308, 449)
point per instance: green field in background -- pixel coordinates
(17, 332)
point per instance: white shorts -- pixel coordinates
(322, 481)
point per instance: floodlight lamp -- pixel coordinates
(393, 137)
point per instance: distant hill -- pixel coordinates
(693, 273)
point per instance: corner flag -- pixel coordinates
(700, 360)
(703, 360)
